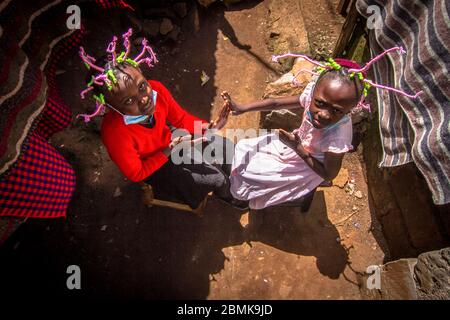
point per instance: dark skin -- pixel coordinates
(132, 95)
(332, 99)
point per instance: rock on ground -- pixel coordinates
(432, 274)
(284, 87)
(284, 119)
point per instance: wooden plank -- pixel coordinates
(342, 7)
(347, 31)
(170, 204)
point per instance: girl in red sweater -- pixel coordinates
(135, 130)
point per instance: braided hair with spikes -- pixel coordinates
(354, 73)
(104, 72)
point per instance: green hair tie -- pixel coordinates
(320, 69)
(90, 82)
(366, 88)
(132, 62)
(111, 76)
(100, 98)
(333, 64)
(120, 57)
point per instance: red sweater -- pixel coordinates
(137, 150)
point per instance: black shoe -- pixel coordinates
(238, 204)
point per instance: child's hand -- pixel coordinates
(185, 139)
(292, 140)
(288, 138)
(230, 103)
(221, 120)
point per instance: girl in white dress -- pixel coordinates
(281, 167)
(285, 166)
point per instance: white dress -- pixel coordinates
(267, 172)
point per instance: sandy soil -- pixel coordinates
(126, 250)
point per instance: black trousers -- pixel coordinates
(190, 183)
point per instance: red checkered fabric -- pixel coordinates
(42, 183)
(41, 186)
(110, 4)
(57, 115)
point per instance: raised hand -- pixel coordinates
(221, 119)
(228, 101)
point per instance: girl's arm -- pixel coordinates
(263, 105)
(328, 170)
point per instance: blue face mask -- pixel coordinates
(137, 119)
(134, 119)
(327, 127)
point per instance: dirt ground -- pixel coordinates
(126, 250)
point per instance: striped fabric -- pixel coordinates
(41, 183)
(35, 180)
(415, 130)
(26, 44)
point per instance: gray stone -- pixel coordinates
(432, 274)
(283, 119)
(396, 282)
(284, 86)
(166, 26)
(359, 115)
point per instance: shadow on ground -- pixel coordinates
(305, 234)
(125, 250)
